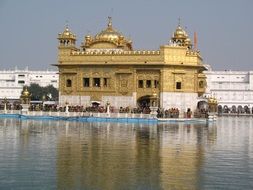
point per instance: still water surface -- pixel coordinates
(38, 154)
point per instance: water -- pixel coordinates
(38, 154)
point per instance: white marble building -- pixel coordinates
(233, 89)
(12, 81)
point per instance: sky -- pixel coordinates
(29, 28)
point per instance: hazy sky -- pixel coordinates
(29, 28)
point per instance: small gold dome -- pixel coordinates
(180, 33)
(212, 100)
(66, 31)
(88, 38)
(26, 92)
(66, 34)
(188, 41)
(181, 38)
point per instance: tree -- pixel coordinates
(43, 93)
(52, 92)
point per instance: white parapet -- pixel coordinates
(179, 100)
(74, 100)
(120, 101)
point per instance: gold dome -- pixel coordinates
(109, 38)
(188, 41)
(66, 34)
(180, 33)
(109, 34)
(181, 38)
(87, 37)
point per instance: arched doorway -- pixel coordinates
(225, 109)
(246, 109)
(233, 109)
(240, 109)
(95, 103)
(202, 105)
(219, 108)
(145, 102)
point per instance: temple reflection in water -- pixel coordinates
(115, 156)
(72, 155)
(120, 155)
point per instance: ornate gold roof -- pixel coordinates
(180, 33)
(181, 38)
(108, 36)
(66, 34)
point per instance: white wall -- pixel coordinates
(12, 81)
(231, 87)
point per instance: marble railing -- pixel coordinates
(80, 114)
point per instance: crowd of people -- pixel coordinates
(161, 113)
(168, 113)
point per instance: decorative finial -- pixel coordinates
(179, 21)
(67, 24)
(109, 22)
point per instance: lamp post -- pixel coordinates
(67, 107)
(154, 104)
(212, 104)
(5, 101)
(43, 100)
(25, 100)
(108, 107)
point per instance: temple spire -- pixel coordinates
(179, 21)
(66, 24)
(109, 22)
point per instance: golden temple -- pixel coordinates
(106, 68)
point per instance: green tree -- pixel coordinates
(39, 93)
(52, 92)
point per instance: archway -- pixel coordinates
(225, 109)
(202, 105)
(95, 104)
(240, 109)
(246, 109)
(233, 109)
(145, 102)
(219, 108)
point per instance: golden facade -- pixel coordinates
(106, 69)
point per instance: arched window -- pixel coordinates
(201, 84)
(68, 83)
(219, 109)
(233, 109)
(240, 109)
(225, 108)
(246, 109)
